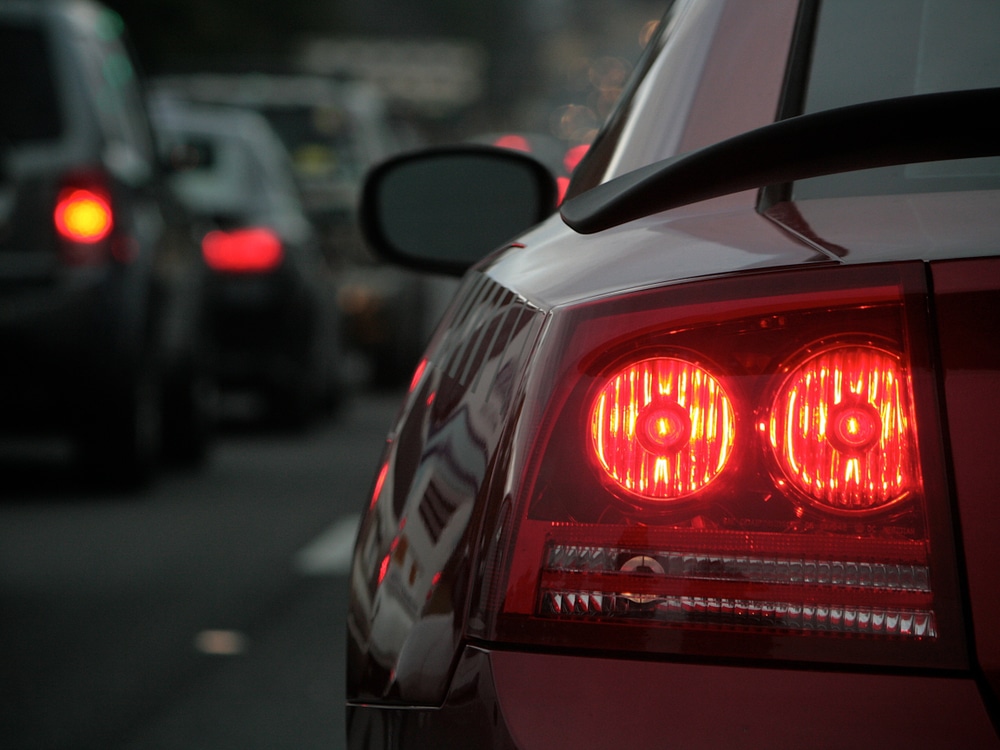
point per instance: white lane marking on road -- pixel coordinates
(330, 552)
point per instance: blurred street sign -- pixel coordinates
(436, 77)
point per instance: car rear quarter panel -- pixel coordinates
(507, 699)
(416, 545)
(967, 297)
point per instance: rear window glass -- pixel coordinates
(321, 140)
(865, 50)
(30, 108)
(226, 180)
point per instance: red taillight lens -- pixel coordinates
(735, 467)
(662, 428)
(842, 430)
(83, 215)
(254, 250)
(85, 222)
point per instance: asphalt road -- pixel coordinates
(206, 612)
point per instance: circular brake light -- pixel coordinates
(662, 429)
(83, 216)
(841, 429)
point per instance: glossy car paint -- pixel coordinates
(423, 667)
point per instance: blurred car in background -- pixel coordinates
(100, 286)
(334, 131)
(272, 320)
(707, 458)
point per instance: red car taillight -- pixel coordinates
(734, 468)
(254, 250)
(841, 428)
(83, 217)
(662, 428)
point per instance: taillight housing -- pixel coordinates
(241, 251)
(745, 467)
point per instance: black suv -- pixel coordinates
(100, 279)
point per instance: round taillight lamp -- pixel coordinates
(83, 215)
(662, 429)
(841, 429)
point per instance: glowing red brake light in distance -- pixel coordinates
(254, 250)
(83, 215)
(514, 142)
(742, 473)
(573, 156)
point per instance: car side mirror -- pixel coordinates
(445, 209)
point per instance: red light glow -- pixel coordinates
(513, 142)
(842, 430)
(662, 428)
(83, 215)
(562, 185)
(573, 157)
(243, 250)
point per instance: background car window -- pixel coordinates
(321, 140)
(866, 50)
(227, 181)
(26, 78)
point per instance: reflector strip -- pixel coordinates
(651, 585)
(746, 612)
(675, 586)
(701, 566)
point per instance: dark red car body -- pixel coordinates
(821, 570)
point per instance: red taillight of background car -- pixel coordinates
(83, 217)
(735, 468)
(254, 250)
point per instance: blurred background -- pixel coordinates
(350, 82)
(196, 599)
(347, 83)
(447, 68)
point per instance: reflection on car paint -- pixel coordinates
(452, 421)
